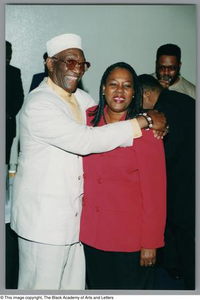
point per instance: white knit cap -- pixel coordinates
(63, 42)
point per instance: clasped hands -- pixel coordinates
(160, 127)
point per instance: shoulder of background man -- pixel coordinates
(13, 78)
(175, 103)
(13, 70)
(184, 86)
(40, 76)
(179, 110)
(36, 80)
(14, 87)
(186, 82)
(154, 75)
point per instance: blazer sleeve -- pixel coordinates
(152, 173)
(49, 123)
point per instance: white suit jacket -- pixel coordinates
(49, 182)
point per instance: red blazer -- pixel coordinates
(124, 203)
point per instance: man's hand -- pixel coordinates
(159, 120)
(147, 257)
(160, 128)
(165, 83)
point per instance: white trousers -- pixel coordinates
(53, 267)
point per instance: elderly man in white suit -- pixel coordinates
(49, 183)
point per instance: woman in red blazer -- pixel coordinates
(124, 203)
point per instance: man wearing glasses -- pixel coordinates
(168, 65)
(48, 186)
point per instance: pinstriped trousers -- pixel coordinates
(51, 267)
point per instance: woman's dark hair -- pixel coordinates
(134, 107)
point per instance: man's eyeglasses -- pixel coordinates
(71, 64)
(169, 68)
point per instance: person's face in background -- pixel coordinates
(119, 90)
(168, 68)
(64, 74)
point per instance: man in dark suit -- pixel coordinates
(179, 144)
(14, 100)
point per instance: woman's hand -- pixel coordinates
(147, 257)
